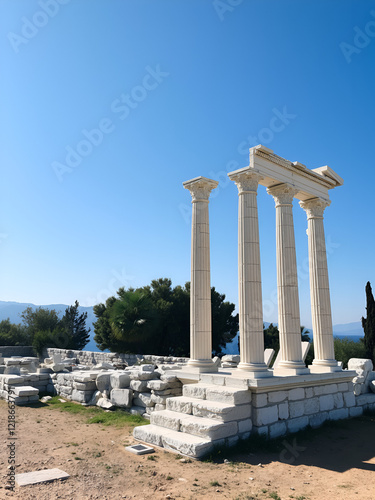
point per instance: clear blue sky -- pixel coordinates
(204, 80)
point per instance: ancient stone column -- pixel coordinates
(287, 284)
(319, 288)
(249, 275)
(200, 288)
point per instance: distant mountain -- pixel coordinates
(13, 310)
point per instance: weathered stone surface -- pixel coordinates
(40, 476)
(339, 414)
(265, 416)
(360, 364)
(232, 358)
(349, 399)
(207, 427)
(295, 394)
(120, 380)
(166, 418)
(296, 409)
(372, 385)
(220, 411)
(95, 398)
(157, 385)
(309, 392)
(103, 381)
(259, 400)
(137, 410)
(326, 402)
(338, 400)
(355, 411)
(81, 396)
(229, 395)
(283, 410)
(25, 390)
(311, 406)
(194, 391)
(138, 385)
(122, 397)
(88, 386)
(277, 396)
(245, 426)
(180, 404)
(276, 430)
(145, 397)
(105, 403)
(297, 424)
(325, 389)
(318, 419)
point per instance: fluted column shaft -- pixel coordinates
(319, 287)
(200, 288)
(287, 283)
(249, 275)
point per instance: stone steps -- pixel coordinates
(221, 394)
(179, 442)
(225, 412)
(197, 426)
(204, 416)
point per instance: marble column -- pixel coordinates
(287, 284)
(319, 288)
(200, 287)
(249, 276)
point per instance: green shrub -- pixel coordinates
(346, 349)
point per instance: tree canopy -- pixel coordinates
(155, 319)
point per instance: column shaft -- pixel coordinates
(319, 288)
(249, 276)
(200, 288)
(287, 284)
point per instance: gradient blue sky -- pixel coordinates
(121, 216)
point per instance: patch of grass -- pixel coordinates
(96, 415)
(215, 483)
(264, 490)
(274, 495)
(151, 457)
(98, 455)
(169, 478)
(301, 497)
(78, 458)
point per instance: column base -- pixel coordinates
(255, 370)
(202, 365)
(290, 368)
(325, 366)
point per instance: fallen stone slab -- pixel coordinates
(40, 476)
(140, 449)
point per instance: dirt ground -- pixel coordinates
(339, 462)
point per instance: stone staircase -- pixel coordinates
(204, 416)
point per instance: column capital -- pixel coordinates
(200, 188)
(246, 180)
(315, 207)
(283, 194)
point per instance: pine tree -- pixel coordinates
(368, 324)
(75, 325)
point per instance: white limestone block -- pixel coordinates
(357, 389)
(120, 380)
(194, 391)
(180, 404)
(157, 385)
(103, 381)
(355, 411)
(221, 411)
(232, 358)
(245, 426)
(343, 387)
(145, 397)
(89, 386)
(309, 392)
(295, 394)
(339, 414)
(95, 398)
(297, 424)
(326, 402)
(207, 427)
(138, 385)
(159, 400)
(81, 396)
(166, 418)
(360, 364)
(296, 409)
(137, 410)
(311, 406)
(25, 391)
(277, 396)
(147, 368)
(121, 397)
(318, 419)
(261, 431)
(338, 400)
(283, 410)
(259, 400)
(372, 385)
(268, 356)
(105, 404)
(265, 416)
(228, 395)
(277, 430)
(321, 390)
(159, 407)
(349, 399)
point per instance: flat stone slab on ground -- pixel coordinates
(40, 476)
(140, 449)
